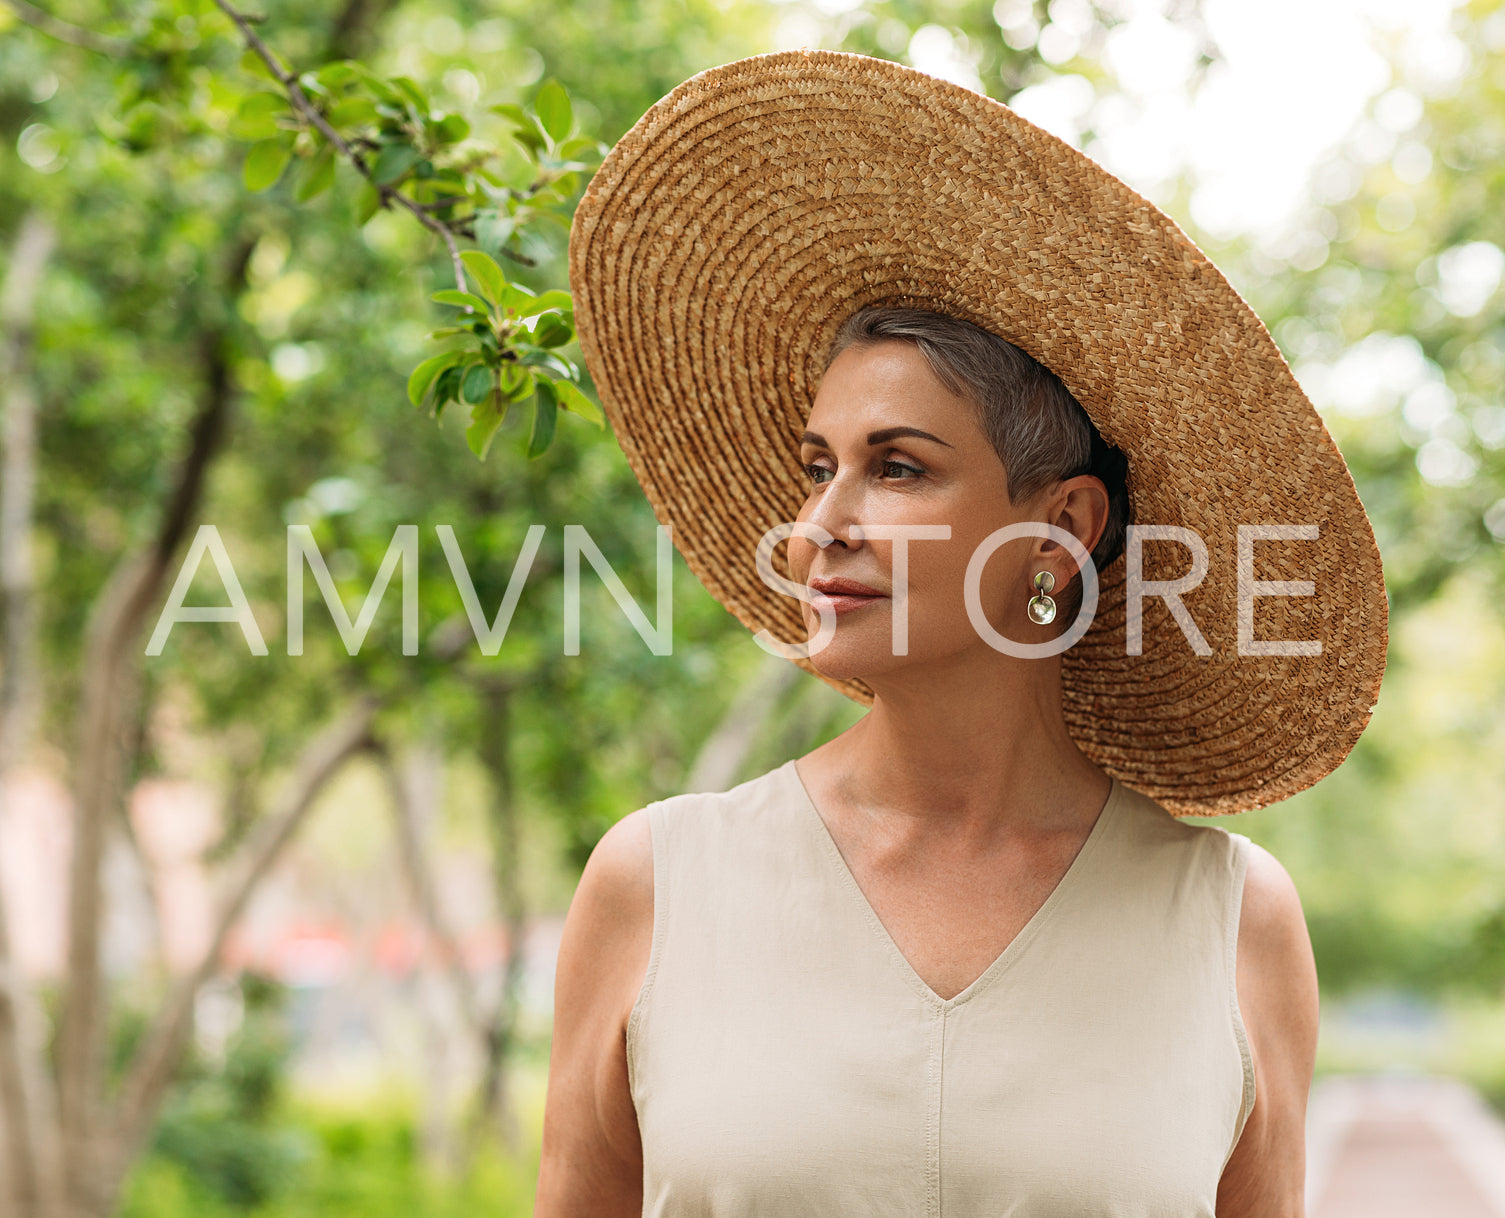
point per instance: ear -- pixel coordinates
(1080, 506)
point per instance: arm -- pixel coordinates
(1265, 1177)
(592, 1162)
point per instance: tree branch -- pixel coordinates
(65, 31)
(720, 757)
(420, 878)
(312, 113)
(111, 675)
(152, 1068)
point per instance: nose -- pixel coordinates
(836, 507)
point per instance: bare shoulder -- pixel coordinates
(618, 876)
(1277, 976)
(1272, 920)
(591, 1157)
(608, 932)
(1277, 997)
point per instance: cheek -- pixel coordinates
(938, 571)
(937, 575)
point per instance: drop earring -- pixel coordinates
(1042, 610)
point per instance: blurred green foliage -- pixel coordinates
(220, 1128)
(172, 274)
(1399, 854)
(351, 1164)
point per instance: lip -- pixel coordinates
(842, 595)
(840, 586)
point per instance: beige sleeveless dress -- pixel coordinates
(785, 1060)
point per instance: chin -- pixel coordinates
(864, 651)
(855, 657)
(840, 664)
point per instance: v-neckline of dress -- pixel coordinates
(1014, 946)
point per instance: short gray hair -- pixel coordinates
(1039, 430)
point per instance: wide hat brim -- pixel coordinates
(750, 211)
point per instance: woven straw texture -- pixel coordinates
(749, 212)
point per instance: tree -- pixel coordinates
(70, 1139)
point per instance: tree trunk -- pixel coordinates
(18, 401)
(414, 790)
(111, 671)
(30, 1182)
(415, 786)
(496, 1108)
(155, 1062)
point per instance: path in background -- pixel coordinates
(1405, 1146)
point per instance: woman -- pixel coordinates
(962, 959)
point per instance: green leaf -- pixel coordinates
(476, 384)
(412, 91)
(553, 106)
(552, 332)
(332, 75)
(488, 276)
(485, 418)
(383, 90)
(352, 112)
(583, 147)
(531, 137)
(255, 127)
(514, 167)
(525, 124)
(450, 296)
(451, 129)
(447, 387)
(264, 101)
(565, 184)
(424, 376)
(392, 162)
(536, 357)
(251, 62)
(256, 117)
(573, 400)
(265, 162)
(319, 176)
(517, 382)
(517, 114)
(554, 298)
(516, 297)
(545, 413)
(493, 231)
(366, 203)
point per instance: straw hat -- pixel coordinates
(749, 212)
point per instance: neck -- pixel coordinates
(977, 746)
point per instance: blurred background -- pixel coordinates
(277, 931)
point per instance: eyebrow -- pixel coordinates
(876, 437)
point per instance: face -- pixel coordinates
(887, 444)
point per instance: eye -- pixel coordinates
(815, 471)
(908, 470)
